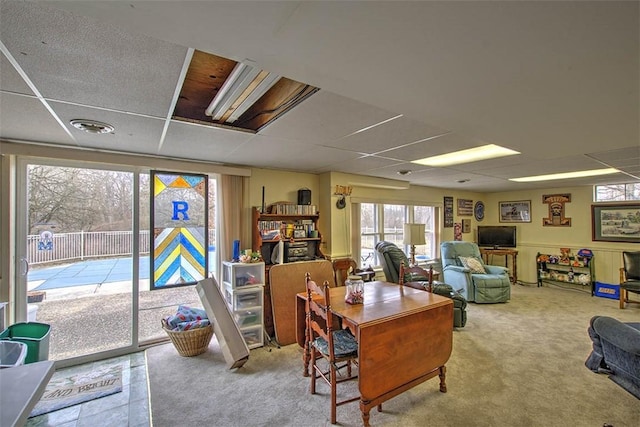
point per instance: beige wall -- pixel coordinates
(533, 237)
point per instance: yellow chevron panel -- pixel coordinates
(191, 238)
(167, 240)
(167, 262)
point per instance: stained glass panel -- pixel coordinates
(179, 207)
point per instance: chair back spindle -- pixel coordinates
(327, 341)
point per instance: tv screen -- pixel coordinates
(497, 236)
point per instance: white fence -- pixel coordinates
(87, 244)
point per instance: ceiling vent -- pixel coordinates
(92, 126)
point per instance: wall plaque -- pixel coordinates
(448, 211)
(465, 207)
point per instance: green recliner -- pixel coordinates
(392, 258)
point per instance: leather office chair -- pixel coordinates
(336, 347)
(629, 277)
(343, 267)
(477, 281)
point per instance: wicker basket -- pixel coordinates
(192, 342)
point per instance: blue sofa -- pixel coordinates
(616, 351)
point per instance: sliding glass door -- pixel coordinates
(82, 247)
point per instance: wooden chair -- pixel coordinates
(331, 350)
(419, 272)
(342, 268)
(629, 277)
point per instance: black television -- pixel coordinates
(497, 236)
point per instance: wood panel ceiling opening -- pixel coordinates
(212, 77)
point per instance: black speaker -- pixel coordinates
(304, 196)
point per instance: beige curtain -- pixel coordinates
(233, 221)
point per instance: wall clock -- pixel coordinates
(478, 211)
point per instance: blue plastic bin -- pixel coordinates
(34, 334)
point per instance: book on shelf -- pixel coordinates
(286, 209)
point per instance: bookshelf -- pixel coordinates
(297, 225)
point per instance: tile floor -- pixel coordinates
(130, 407)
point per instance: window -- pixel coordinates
(385, 222)
(617, 192)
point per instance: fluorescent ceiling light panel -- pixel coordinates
(244, 86)
(484, 152)
(566, 175)
(266, 82)
(237, 81)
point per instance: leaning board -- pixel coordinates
(287, 280)
(232, 343)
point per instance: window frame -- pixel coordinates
(379, 232)
(627, 192)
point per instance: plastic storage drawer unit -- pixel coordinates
(34, 334)
(244, 299)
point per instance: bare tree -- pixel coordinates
(72, 199)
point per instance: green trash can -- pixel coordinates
(34, 334)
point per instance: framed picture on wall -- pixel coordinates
(616, 222)
(517, 211)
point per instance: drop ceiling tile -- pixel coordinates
(397, 132)
(132, 134)
(431, 147)
(204, 143)
(291, 155)
(10, 79)
(623, 159)
(513, 168)
(624, 163)
(25, 118)
(81, 60)
(365, 165)
(325, 116)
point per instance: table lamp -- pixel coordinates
(413, 235)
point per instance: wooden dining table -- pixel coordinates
(404, 335)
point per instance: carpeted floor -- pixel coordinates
(514, 364)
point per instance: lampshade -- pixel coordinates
(414, 234)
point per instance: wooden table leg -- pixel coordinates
(442, 375)
(365, 418)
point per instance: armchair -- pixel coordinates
(393, 265)
(391, 257)
(616, 351)
(629, 277)
(463, 268)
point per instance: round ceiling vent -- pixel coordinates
(92, 126)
